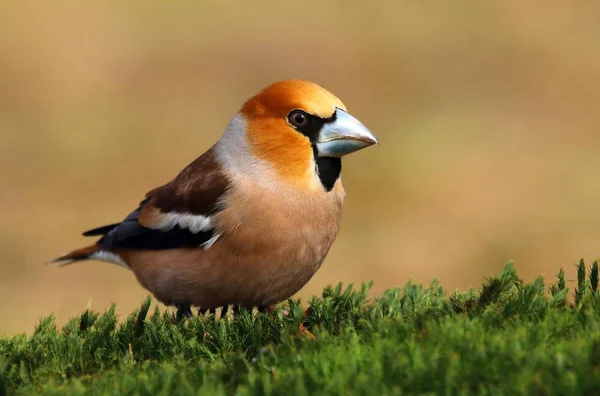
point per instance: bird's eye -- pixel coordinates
(298, 118)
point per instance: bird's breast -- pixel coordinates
(279, 241)
(258, 219)
(269, 247)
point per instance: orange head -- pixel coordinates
(302, 130)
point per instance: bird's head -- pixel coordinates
(302, 130)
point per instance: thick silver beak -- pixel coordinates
(343, 136)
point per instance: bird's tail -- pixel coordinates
(76, 255)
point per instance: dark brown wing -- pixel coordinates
(195, 191)
(174, 215)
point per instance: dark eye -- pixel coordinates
(298, 118)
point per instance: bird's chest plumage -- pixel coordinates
(280, 241)
(269, 247)
(285, 232)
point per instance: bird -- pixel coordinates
(250, 221)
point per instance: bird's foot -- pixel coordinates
(304, 331)
(304, 324)
(183, 311)
(267, 308)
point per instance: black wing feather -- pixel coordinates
(100, 230)
(129, 234)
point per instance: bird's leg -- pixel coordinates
(267, 308)
(183, 311)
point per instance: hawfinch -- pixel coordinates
(251, 220)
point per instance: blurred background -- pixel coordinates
(487, 112)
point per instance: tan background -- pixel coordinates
(488, 114)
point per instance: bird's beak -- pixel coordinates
(344, 135)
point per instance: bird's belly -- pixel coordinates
(227, 275)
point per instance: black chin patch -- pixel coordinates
(328, 168)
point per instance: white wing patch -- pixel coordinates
(194, 223)
(109, 257)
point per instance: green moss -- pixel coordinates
(510, 337)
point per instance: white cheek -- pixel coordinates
(234, 153)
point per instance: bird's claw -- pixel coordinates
(304, 331)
